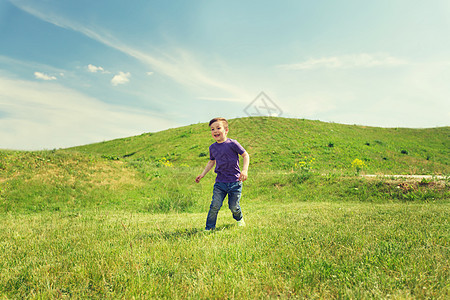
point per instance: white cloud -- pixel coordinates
(363, 60)
(48, 115)
(182, 67)
(43, 76)
(149, 73)
(121, 78)
(95, 69)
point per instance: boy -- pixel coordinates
(224, 154)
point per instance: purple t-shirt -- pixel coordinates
(226, 155)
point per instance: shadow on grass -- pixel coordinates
(183, 233)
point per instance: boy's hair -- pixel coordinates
(223, 120)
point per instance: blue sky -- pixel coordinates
(76, 72)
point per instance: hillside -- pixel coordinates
(291, 160)
(280, 143)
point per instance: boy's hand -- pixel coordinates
(208, 167)
(244, 172)
(243, 176)
(199, 177)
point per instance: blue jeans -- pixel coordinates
(221, 189)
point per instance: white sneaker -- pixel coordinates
(241, 222)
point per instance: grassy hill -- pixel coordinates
(124, 218)
(155, 171)
(280, 143)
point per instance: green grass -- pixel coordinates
(279, 143)
(315, 250)
(124, 218)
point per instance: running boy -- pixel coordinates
(224, 153)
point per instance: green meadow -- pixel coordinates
(124, 218)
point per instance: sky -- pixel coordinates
(76, 72)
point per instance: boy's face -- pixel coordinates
(218, 131)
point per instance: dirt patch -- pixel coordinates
(409, 177)
(411, 182)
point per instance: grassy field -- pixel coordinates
(124, 218)
(314, 250)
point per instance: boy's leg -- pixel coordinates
(219, 194)
(234, 196)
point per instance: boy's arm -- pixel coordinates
(208, 167)
(246, 163)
